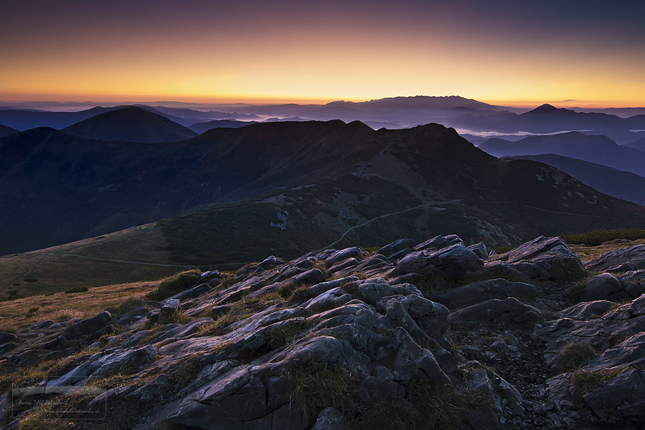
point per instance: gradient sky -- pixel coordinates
(517, 52)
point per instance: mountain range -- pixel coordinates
(284, 187)
(594, 149)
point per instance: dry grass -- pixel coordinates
(591, 252)
(79, 264)
(60, 306)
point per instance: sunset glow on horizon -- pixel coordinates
(584, 54)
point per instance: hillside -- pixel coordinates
(132, 124)
(231, 196)
(614, 182)
(594, 149)
(5, 131)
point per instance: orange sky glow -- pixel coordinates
(211, 52)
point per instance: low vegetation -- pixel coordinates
(575, 355)
(597, 237)
(175, 284)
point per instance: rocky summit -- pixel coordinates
(431, 335)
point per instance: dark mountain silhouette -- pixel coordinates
(637, 144)
(5, 131)
(201, 127)
(286, 188)
(594, 149)
(133, 124)
(26, 119)
(617, 183)
(548, 119)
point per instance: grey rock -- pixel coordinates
(374, 389)
(133, 315)
(329, 419)
(586, 310)
(455, 261)
(271, 261)
(194, 292)
(480, 249)
(626, 391)
(485, 290)
(311, 277)
(343, 254)
(373, 290)
(509, 310)
(397, 246)
(344, 265)
(543, 258)
(7, 337)
(619, 260)
(88, 326)
(41, 325)
(439, 242)
(605, 287)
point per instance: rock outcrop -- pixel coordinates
(413, 334)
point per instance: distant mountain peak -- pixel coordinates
(131, 123)
(547, 108)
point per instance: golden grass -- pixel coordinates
(592, 252)
(16, 314)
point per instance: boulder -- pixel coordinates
(397, 246)
(509, 310)
(619, 260)
(439, 242)
(455, 261)
(478, 292)
(344, 254)
(605, 287)
(543, 259)
(88, 326)
(329, 419)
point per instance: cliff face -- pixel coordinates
(430, 335)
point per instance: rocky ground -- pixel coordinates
(431, 335)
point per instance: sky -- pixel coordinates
(516, 53)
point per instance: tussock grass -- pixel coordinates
(62, 307)
(574, 355)
(240, 310)
(585, 381)
(175, 284)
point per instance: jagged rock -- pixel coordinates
(343, 254)
(374, 389)
(397, 246)
(193, 292)
(41, 325)
(344, 265)
(330, 419)
(454, 261)
(7, 337)
(88, 326)
(133, 315)
(623, 393)
(619, 260)
(477, 292)
(439, 242)
(480, 249)
(509, 310)
(602, 331)
(271, 261)
(311, 277)
(543, 258)
(586, 310)
(380, 335)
